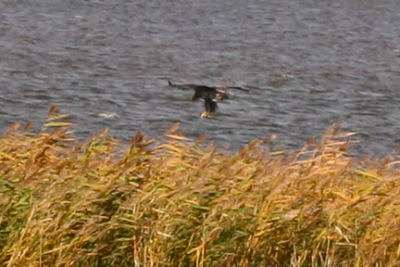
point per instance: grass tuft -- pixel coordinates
(174, 202)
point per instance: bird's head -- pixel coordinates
(221, 95)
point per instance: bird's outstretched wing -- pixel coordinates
(197, 94)
(210, 94)
(183, 86)
(237, 88)
(200, 91)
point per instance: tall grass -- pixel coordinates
(174, 202)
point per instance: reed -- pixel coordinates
(176, 202)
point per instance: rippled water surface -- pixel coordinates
(310, 64)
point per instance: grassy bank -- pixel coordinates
(170, 202)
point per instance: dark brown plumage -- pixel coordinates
(210, 94)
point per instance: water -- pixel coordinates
(311, 64)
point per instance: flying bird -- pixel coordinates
(211, 95)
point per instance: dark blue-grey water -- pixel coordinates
(312, 63)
